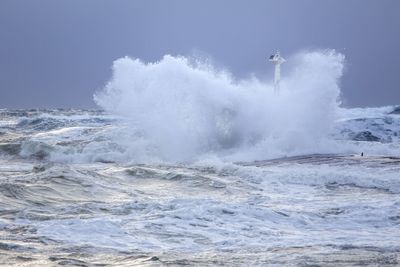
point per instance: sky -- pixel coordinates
(58, 53)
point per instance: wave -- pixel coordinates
(183, 109)
(180, 110)
(369, 124)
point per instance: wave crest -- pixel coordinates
(183, 109)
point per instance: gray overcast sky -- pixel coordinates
(58, 53)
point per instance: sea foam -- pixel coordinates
(182, 109)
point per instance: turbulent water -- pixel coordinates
(186, 165)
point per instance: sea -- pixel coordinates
(183, 164)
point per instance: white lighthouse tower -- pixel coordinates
(277, 60)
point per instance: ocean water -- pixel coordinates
(184, 164)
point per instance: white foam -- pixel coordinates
(184, 110)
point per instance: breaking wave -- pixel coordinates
(181, 109)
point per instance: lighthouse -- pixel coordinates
(277, 60)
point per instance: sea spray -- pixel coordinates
(183, 109)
